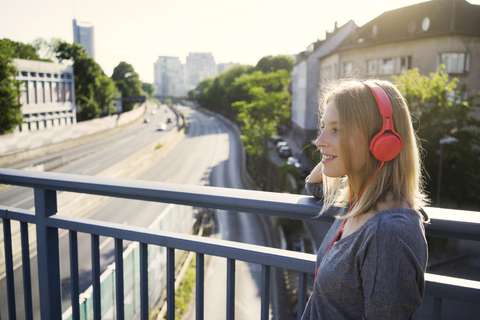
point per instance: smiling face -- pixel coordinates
(330, 144)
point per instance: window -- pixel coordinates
(68, 91)
(404, 63)
(23, 97)
(371, 66)
(454, 62)
(33, 74)
(25, 73)
(62, 91)
(347, 68)
(56, 92)
(387, 66)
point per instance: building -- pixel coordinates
(47, 94)
(200, 65)
(83, 35)
(169, 77)
(306, 81)
(222, 67)
(419, 36)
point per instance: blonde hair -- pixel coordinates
(359, 117)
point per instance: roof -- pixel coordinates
(426, 19)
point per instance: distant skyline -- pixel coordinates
(232, 30)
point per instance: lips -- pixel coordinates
(327, 158)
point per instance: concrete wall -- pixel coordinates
(21, 146)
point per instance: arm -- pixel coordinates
(393, 270)
(313, 183)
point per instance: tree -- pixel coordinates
(268, 107)
(148, 88)
(271, 64)
(442, 111)
(10, 108)
(94, 91)
(19, 50)
(106, 94)
(128, 82)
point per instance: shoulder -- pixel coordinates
(400, 219)
(400, 227)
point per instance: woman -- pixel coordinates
(371, 263)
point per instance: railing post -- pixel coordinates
(230, 289)
(265, 309)
(7, 233)
(200, 283)
(96, 292)
(170, 284)
(143, 281)
(74, 275)
(49, 281)
(119, 285)
(27, 276)
(437, 308)
(302, 294)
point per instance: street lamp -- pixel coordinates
(442, 142)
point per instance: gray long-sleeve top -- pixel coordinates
(377, 272)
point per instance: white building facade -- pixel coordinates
(200, 65)
(83, 35)
(169, 77)
(47, 94)
(222, 67)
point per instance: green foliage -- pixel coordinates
(19, 50)
(219, 93)
(106, 94)
(10, 109)
(94, 91)
(148, 88)
(441, 110)
(267, 106)
(192, 95)
(272, 64)
(128, 82)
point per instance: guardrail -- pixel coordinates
(47, 221)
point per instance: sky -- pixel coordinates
(138, 32)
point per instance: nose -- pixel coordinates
(320, 142)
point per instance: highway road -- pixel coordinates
(210, 155)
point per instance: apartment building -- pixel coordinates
(306, 80)
(47, 94)
(200, 65)
(169, 77)
(419, 36)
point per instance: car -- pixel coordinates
(282, 144)
(161, 126)
(285, 152)
(153, 112)
(292, 161)
(169, 120)
(146, 120)
(276, 139)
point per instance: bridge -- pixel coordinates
(445, 223)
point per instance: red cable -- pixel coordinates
(350, 209)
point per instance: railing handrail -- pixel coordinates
(459, 224)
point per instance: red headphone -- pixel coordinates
(384, 145)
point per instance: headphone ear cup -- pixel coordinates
(386, 147)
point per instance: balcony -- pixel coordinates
(47, 222)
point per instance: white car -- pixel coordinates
(161, 126)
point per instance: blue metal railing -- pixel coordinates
(48, 222)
